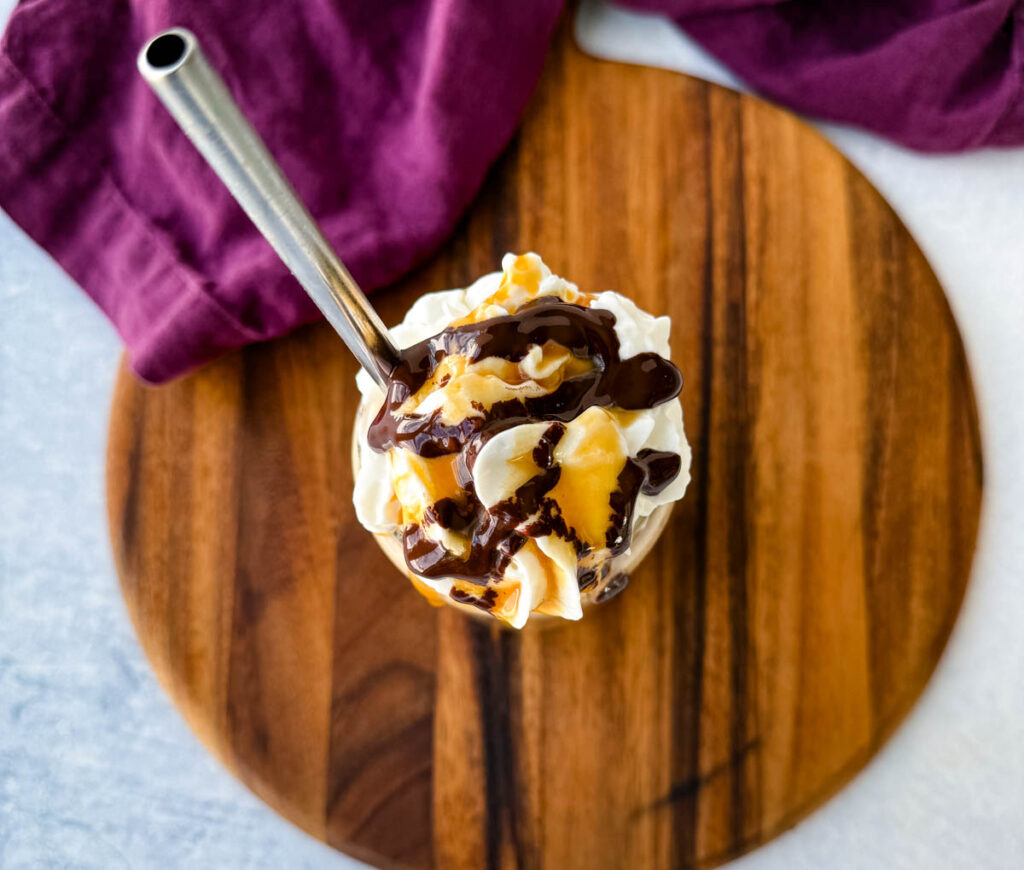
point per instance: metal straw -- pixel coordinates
(175, 67)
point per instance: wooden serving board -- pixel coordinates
(787, 620)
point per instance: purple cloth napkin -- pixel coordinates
(937, 75)
(386, 116)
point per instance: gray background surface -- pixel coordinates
(97, 769)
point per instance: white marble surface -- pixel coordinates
(98, 771)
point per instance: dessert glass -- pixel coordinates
(529, 447)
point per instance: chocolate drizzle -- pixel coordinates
(485, 600)
(642, 381)
(494, 538)
(660, 469)
(495, 535)
(450, 514)
(650, 472)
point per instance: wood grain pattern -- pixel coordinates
(788, 619)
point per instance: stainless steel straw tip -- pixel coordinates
(166, 52)
(173, 64)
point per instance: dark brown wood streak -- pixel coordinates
(495, 662)
(789, 617)
(740, 470)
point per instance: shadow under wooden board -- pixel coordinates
(787, 620)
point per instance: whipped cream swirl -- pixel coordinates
(531, 431)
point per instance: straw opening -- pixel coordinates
(166, 51)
